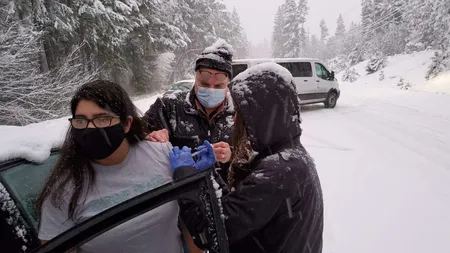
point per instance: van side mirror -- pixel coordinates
(331, 77)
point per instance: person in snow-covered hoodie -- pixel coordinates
(204, 113)
(275, 203)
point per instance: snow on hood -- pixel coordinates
(34, 142)
(266, 97)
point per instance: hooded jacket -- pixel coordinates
(278, 206)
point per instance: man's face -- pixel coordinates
(211, 78)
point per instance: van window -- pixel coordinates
(298, 69)
(322, 72)
(238, 68)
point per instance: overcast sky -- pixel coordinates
(257, 15)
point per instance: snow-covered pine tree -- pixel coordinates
(27, 93)
(340, 29)
(304, 43)
(314, 46)
(277, 33)
(302, 12)
(367, 18)
(324, 34)
(440, 63)
(323, 31)
(291, 29)
(340, 36)
(350, 75)
(376, 62)
(239, 38)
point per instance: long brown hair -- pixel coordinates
(73, 167)
(239, 167)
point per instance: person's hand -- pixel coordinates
(222, 151)
(158, 136)
(181, 158)
(206, 157)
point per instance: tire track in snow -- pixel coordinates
(381, 121)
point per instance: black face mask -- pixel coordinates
(99, 143)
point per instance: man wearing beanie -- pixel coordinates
(204, 113)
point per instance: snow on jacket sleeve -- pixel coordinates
(254, 202)
(156, 117)
(248, 208)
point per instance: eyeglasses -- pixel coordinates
(206, 75)
(99, 122)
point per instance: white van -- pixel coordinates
(314, 82)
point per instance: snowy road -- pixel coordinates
(384, 160)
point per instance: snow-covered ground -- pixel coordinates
(34, 142)
(412, 68)
(383, 158)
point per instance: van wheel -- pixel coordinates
(331, 100)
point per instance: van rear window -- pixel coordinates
(298, 69)
(238, 68)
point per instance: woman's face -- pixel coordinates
(100, 118)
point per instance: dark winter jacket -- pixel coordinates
(188, 125)
(278, 207)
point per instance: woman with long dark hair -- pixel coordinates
(103, 162)
(275, 199)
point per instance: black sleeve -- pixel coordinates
(254, 202)
(193, 214)
(156, 117)
(251, 206)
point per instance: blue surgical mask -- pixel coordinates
(210, 97)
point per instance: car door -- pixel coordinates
(303, 77)
(22, 181)
(322, 79)
(20, 184)
(200, 185)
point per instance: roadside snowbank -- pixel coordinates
(411, 68)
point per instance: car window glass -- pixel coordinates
(322, 72)
(319, 72)
(298, 69)
(25, 181)
(238, 68)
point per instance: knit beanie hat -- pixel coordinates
(219, 56)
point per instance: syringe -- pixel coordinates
(197, 152)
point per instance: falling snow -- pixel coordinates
(260, 176)
(173, 95)
(286, 154)
(218, 195)
(186, 125)
(173, 123)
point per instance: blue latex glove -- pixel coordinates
(206, 158)
(181, 158)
